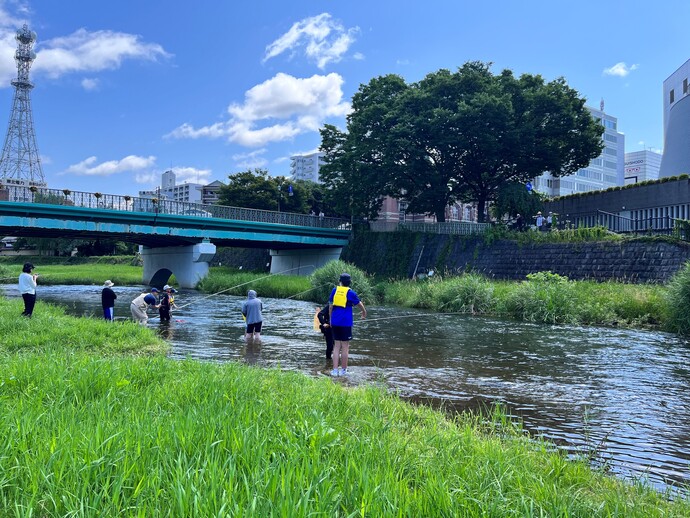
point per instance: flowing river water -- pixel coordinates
(617, 393)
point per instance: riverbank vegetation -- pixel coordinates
(93, 426)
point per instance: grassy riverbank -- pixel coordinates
(93, 427)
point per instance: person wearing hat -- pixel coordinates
(108, 297)
(166, 303)
(251, 310)
(141, 304)
(340, 305)
(27, 287)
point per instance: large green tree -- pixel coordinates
(456, 137)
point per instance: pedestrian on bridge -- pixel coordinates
(27, 287)
(108, 297)
(141, 304)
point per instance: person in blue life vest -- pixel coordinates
(340, 305)
(251, 310)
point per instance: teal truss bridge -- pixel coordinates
(178, 238)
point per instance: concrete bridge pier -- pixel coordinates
(189, 264)
(302, 262)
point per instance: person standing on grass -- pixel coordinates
(251, 310)
(340, 304)
(27, 287)
(108, 297)
(140, 305)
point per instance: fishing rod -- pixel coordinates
(244, 284)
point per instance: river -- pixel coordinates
(620, 393)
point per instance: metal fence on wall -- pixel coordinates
(624, 224)
(448, 227)
(122, 203)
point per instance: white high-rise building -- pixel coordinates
(676, 159)
(607, 170)
(306, 167)
(185, 192)
(675, 88)
(641, 166)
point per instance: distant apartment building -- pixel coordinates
(641, 166)
(210, 192)
(394, 210)
(676, 159)
(306, 167)
(607, 170)
(169, 190)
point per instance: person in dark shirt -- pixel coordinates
(325, 327)
(165, 303)
(108, 297)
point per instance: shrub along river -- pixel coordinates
(620, 395)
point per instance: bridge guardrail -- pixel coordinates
(124, 203)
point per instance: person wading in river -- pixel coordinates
(251, 310)
(340, 305)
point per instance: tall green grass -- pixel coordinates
(678, 301)
(543, 297)
(73, 274)
(234, 282)
(89, 436)
(49, 329)
(324, 279)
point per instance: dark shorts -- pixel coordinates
(342, 334)
(254, 328)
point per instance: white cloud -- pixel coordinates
(82, 51)
(620, 69)
(191, 175)
(147, 178)
(402, 62)
(93, 51)
(89, 84)
(90, 167)
(251, 160)
(276, 110)
(323, 39)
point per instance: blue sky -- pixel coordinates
(126, 90)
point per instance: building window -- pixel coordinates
(672, 96)
(610, 138)
(685, 86)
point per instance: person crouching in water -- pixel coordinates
(251, 309)
(340, 305)
(141, 304)
(166, 303)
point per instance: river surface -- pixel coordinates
(621, 394)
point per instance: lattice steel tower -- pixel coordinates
(20, 160)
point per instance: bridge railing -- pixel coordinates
(123, 203)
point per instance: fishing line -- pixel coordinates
(306, 291)
(243, 284)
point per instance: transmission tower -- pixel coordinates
(20, 160)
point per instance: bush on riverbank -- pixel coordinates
(324, 279)
(678, 301)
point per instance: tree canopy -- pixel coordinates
(455, 137)
(256, 189)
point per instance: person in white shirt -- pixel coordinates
(27, 287)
